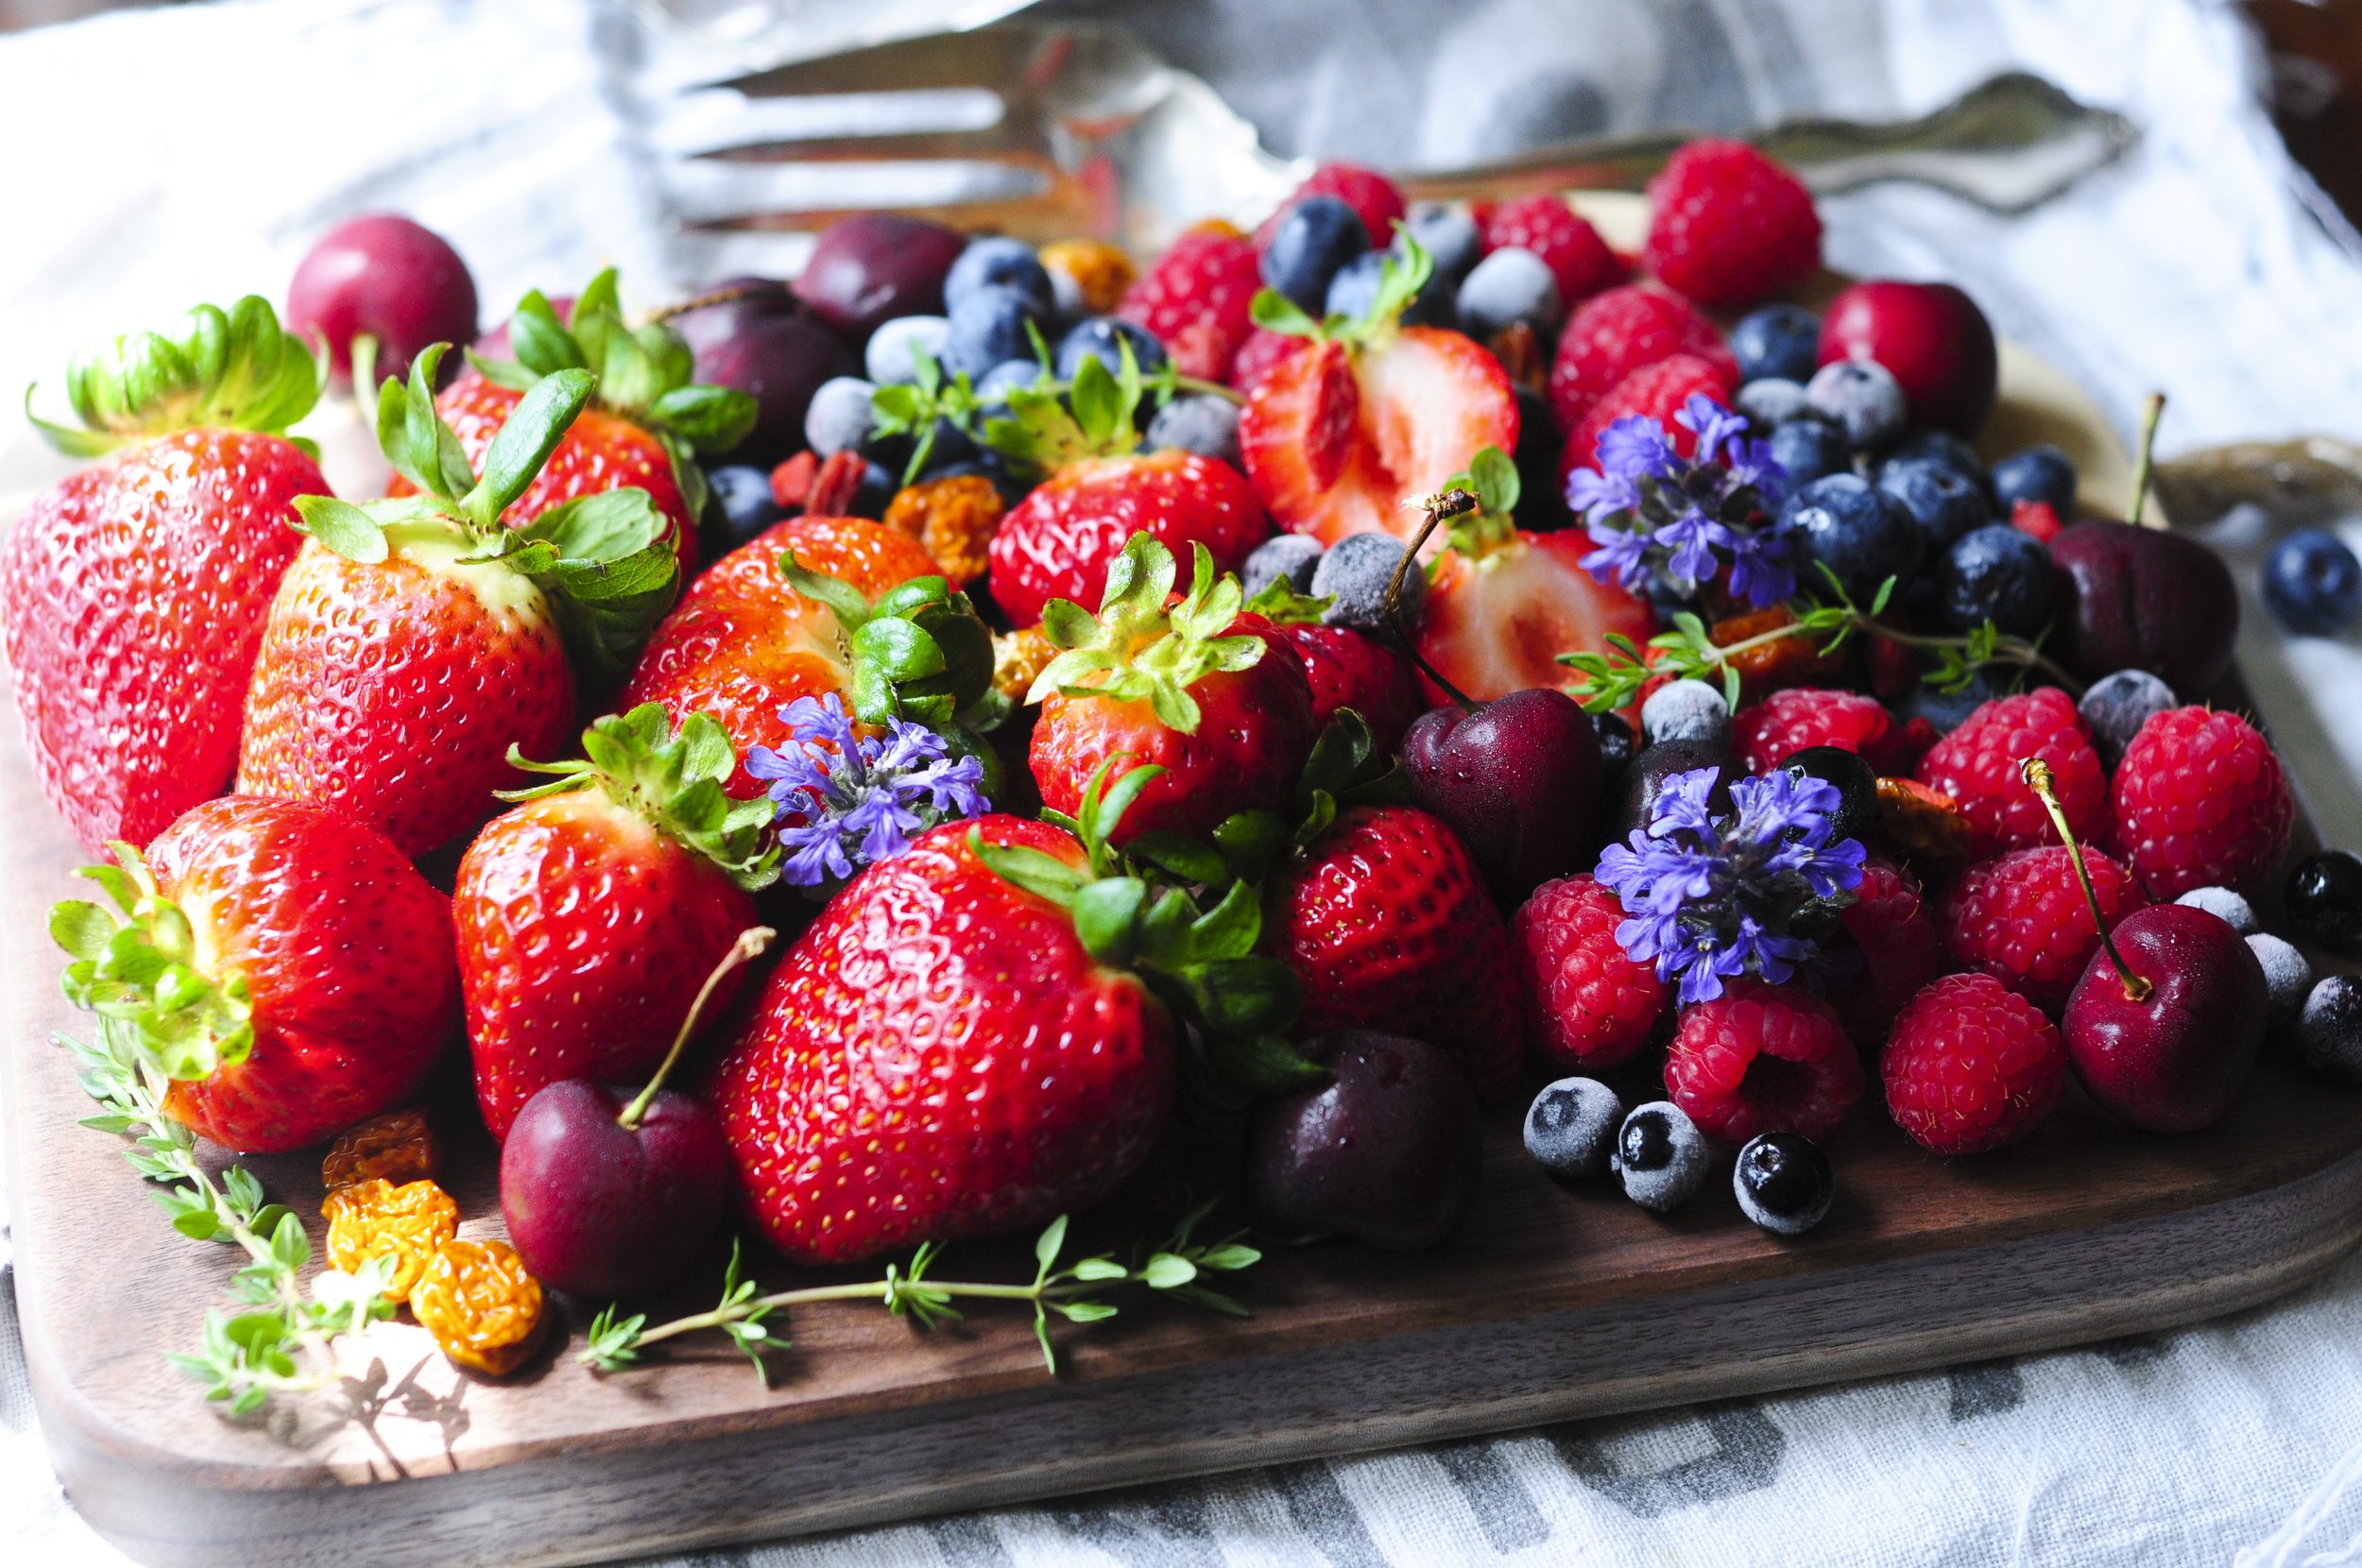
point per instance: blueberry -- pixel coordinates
(1541, 492)
(746, 500)
(1354, 290)
(1449, 236)
(1293, 556)
(998, 263)
(1944, 502)
(2313, 582)
(2116, 707)
(1660, 1157)
(1856, 788)
(1945, 710)
(993, 387)
(1943, 447)
(892, 357)
(2325, 898)
(988, 327)
(1784, 1183)
(1996, 573)
(1357, 569)
(1809, 448)
(1857, 532)
(1687, 710)
(1512, 284)
(839, 418)
(1319, 235)
(1096, 339)
(1862, 396)
(1618, 746)
(2287, 975)
(1772, 401)
(2234, 911)
(877, 490)
(952, 445)
(1571, 1127)
(1202, 423)
(2037, 473)
(1782, 342)
(2329, 1030)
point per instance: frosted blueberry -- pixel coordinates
(2329, 1032)
(1294, 556)
(2286, 972)
(2235, 910)
(839, 418)
(892, 357)
(1784, 1183)
(1205, 424)
(1773, 401)
(1512, 284)
(1357, 569)
(1571, 1127)
(1861, 395)
(1660, 1157)
(1687, 710)
(2117, 705)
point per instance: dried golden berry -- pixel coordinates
(1017, 658)
(1227, 230)
(1783, 661)
(1924, 827)
(483, 1308)
(1520, 353)
(953, 517)
(400, 1145)
(1101, 272)
(375, 1217)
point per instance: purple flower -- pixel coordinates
(1691, 538)
(1759, 573)
(1596, 495)
(861, 797)
(1712, 422)
(1622, 553)
(1746, 462)
(1635, 447)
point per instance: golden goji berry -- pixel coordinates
(372, 1219)
(400, 1145)
(1783, 661)
(1922, 827)
(1101, 273)
(1017, 658)
(483, 1308)
(953, 517)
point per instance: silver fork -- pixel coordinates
(1051, 131)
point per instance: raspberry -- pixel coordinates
(1761, 1059)
(1889, 925)
(2023, 920)
(2038, 517)
(1568, 246)
(1196, 300)
(1729, 226)
(1263, 350)
(1971, 1064)
(2200, 801)
(1612, 334)
(1656, 390)
(1784, 723)
(1978, 766)
(1590, 1006)
(1373, 197)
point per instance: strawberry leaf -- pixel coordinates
(541, 341)
(531, 432)
(342, 527)
(1042, 436)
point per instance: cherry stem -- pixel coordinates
(1451, 504)
(717, 297)
(2152, 412)
(749, 947)
(2037, 775)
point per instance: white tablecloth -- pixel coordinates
(143, 176)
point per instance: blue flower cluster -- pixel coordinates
(860, 798)
(1711, 897)
(1653, 513)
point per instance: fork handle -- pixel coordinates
(2007, 144)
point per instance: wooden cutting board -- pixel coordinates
(1551, 1302)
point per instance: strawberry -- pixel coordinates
(415, 641)
(1338, 437)
(282, 964)
(645, 433)
(134, 591)
(1215, 699)
(1346, 668)
(978, 1033)
(1099, 492)
(783, 617)
(589, 915)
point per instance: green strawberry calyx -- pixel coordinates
(1347, 768)
(645, 374)
(1399, 281)
(1195, 951)
(233, 369)
(602, 560)
(1041, 435)
(672, 782)
(135, 959)
(1144, 651)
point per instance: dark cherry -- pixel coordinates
(873, 266)
(390, 278)
(2144, 599)
(780, 361)
(1387, 1151)
(1519, 781)
(599, 1209)
(1931, 337)
(2169, 1061)
(2325, 898)
(735, 302)
(1856, 788)
(1657, 763)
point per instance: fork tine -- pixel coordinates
(992, 145)
(986, 57)
(715, 118)
(719, 191)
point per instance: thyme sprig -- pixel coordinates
(1614, 679)
(280, 1341)
(1073, 1293)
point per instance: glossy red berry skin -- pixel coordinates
(2201, 800)
(1971, 1065)
(2173, 1060)
(1786, 722)
(1057, 542)
(1658, 392)
(1899, 946)
(1579, 259)
(387, 276)
(1978, 766)
(2023, 920)
(1195, 301)
(869, 269)
(1351, 668)
(1612, 334)
(1729, 226)
(1931, 337)
(1761, 1059)
(1589, 1006)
